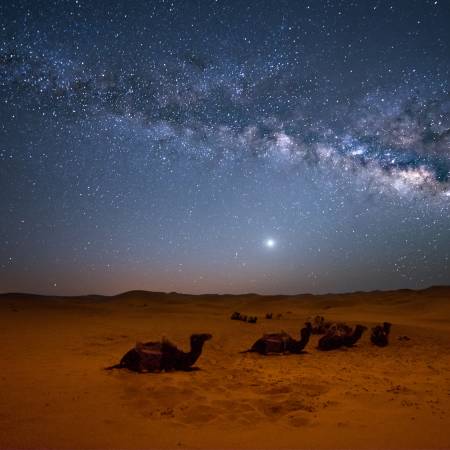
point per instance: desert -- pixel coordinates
(55, 392)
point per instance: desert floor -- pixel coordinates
(55, 394)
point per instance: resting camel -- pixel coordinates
(380, 334)
(340, 336)
(159, 356)
(281, 342)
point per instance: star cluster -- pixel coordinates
(157, 145)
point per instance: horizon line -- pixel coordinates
(144, 291)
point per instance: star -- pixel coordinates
(270, 243)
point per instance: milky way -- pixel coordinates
(162, 145)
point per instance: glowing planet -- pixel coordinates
(269, 243)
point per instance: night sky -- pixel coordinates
(224, 146)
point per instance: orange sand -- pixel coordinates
(54, 393)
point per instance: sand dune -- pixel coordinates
(55, 393)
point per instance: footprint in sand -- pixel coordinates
(276, 409)
(159, 401)
(233, 405)
(278, 390)
(199, 414)
(303, 389)
(298, 421)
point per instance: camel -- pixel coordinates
(162, 356)
(351, 339)
(341, 336)
(238, 316)
(318, 324)
(281, 342)
(338, 327)
(322, 326)
(380, 334)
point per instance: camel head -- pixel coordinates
(307, 330)
(197, 339)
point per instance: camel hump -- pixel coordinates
(280, 334)
(275, 339)
(150, 351)
(168, 346)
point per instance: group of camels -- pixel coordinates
(165, 356)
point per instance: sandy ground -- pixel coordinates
(55, 393)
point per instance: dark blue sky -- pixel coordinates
(224, 146)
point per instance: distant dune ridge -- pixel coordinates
(55, 393)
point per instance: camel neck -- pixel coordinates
(304, 338)
(298, 346)
(357, 334)
(196, 350)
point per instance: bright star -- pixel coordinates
(269, 243)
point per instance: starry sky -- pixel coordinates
(224, 146)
